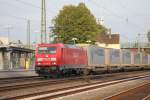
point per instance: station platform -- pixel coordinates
(17, 73)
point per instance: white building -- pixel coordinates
(4, 41)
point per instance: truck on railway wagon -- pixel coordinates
(145, 62)
(102, 59)
(63, 59)
(96, 60)
(126, 60)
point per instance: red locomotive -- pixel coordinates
(59, 59)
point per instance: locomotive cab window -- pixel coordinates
(47, 50)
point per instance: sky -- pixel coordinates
(126, 17)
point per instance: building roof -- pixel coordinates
(4, 40)
(109, 39)
(16, 49)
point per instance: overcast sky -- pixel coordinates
(126, 17)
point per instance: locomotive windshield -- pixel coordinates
(47, 50)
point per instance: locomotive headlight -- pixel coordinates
(40, 59)
(53, 59)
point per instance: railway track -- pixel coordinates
(141, 92)
(18, 79)
(30, 87)
(34, 78)
(35, 84)
(52, 94)
(147, 97)
(36, 81)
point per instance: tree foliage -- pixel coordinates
(76, 22)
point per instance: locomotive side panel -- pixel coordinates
(73, 58)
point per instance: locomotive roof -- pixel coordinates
(59, 45)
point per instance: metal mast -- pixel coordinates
(43, 23)
(28, 33)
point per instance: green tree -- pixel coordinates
(76, 22)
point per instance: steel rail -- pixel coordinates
(71, 90)
(127, 91)
(10, 87)
(18, 79)
(36, 84)
(146, 98)
(21, 79)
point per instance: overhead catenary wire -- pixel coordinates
(19, 17)
(107, 10)
(14, 16)
(32, 5)
(29, 4)
(116, 15)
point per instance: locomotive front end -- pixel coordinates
(46, 62)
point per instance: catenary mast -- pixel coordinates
(43, 22)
